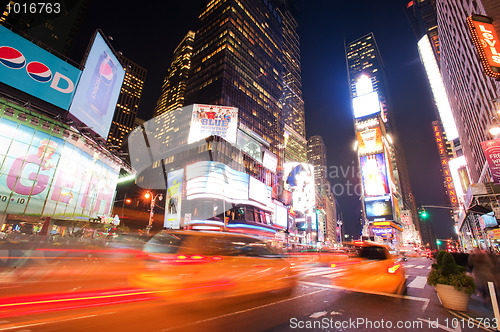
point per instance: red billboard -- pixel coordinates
(486, 43)
(492, 152)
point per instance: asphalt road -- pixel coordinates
(315, 305)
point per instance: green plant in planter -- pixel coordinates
(446, 271)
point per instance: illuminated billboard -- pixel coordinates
(99, 87)
(270, 161)
(491, 150)
(42, 174)
(249, 145)
(437, 86)
(369, 141)
(210, 179)
(378, 208)
(281, 216)
(366, 104)
(174, 199)
(213, 120)
(374, 175)
(31, 69)
(460, 175)
(299, 179)
(486, 43)
(259, 192)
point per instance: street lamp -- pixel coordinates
(152, 208)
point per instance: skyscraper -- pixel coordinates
(237, 61)
(174, 85)
(316, 156)
(128, 102)
(293, 105)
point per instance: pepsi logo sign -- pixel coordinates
(14, 59)
(11, 58)
(38, 71)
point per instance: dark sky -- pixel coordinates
(149, 33)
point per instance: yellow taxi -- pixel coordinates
(372, 269)
(186, 266)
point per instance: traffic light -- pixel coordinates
(438, 242)
(423, 214)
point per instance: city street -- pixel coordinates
(314, 305)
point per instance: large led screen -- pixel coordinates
(299, 179)
(249, 145)
(213, 120)
(97, 92)
(33, 70)
(374, 175)
(210, 179)
(378, 208)
(45, 175)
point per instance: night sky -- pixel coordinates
(148, 34)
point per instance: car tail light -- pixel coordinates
(393, 269)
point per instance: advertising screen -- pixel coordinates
(42, 174)
(210, 179)
(174, 198)
(213, 120)
(369, 141)
(281, 216)
(374, 175)
(259, 192)
(270, 161)
(249, 145)
(378, 208)
(383, 231)
(31, 69)
(488, 220)
(97, 92)
(299, 179)
(367, 104)
(460, 175)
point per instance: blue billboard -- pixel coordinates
(97, 92)
(31, 69)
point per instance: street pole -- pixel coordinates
(152, 211)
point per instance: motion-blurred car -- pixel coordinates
(374, 270)
(187, 266)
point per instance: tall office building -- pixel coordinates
(423, 20)
(128, 102)
(293, 105)
(174, 85)
(237, 61)
(316, 156)
(57, 29)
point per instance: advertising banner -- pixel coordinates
(174, 199)
(369, 141)
(31, 69)
(45, 175)
(367, 104)
(385, 232)
(249, 145)
(374, 175)
(213, 120)
(491, 150)
(99, 87)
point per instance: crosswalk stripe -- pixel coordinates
(409, 265)
(321, 273)
(420, 267)
(418, 282)
(429, 267)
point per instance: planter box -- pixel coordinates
(451, 298)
